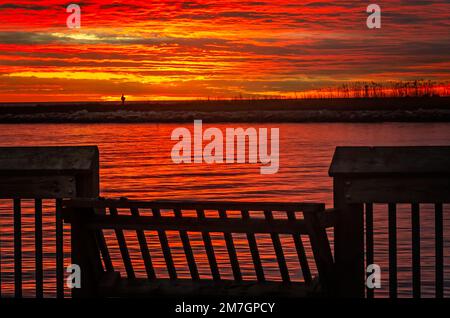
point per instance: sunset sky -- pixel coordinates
(169, 50)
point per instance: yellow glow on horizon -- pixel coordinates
(77, 36)
(84, 75)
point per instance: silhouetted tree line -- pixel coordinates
(416, 88)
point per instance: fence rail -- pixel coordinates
(90, 216)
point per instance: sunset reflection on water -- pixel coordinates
(136, 163)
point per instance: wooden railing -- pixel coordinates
(37, 175)
(89, 248)
(38, 256)
(365, 176)
(415, 248)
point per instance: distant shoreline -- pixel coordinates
(423, 109)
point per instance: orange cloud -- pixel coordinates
(198, 49)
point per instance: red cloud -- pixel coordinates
(176, 49)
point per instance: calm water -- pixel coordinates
(136, 162)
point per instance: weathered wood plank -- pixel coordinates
(103, 247)
(86, 254)
(101, 241)
(192, 205)
(39, 271)
(0, 263)
(194, 224)
(301, 254)
(17, 248)
(392, 250)
(123, 247)
(164, 244)
(144, 248)
(439, 250)
(398, 190)
(392, 161)
(348, 244)
(369, 242)
(231, 250)
(206, 289)
(109, 281)
(209, 247)
(59, 250)
(28, 160)
(31, 187)
(254, 250)
(321, 250)
(188, 249)
(415, 225)
(278, 249)
(327, 218)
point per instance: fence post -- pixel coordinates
(348, 244)
(85, 252)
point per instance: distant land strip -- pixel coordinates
(407, 109)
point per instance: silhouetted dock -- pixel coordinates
(362, 177)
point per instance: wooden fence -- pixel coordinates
(364, 176)
(90, 250)
(38, 173)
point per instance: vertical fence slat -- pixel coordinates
(144, 248)
(187, 249)
(254, 250)
(59, 250)
(278, 250)
(301, 254)
(103, 247)
(123, 248)
(209, 249)
(369, 243)
(166, 249)
(38, 248)
(17, 248)
(439, 250)
(231, 250)
(321, 248)
(392, 210)
(415, 224)
(0, 257)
